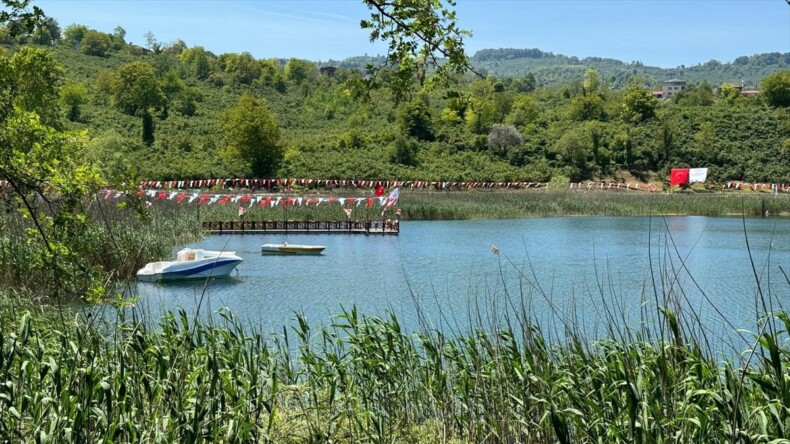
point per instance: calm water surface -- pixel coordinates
(589, 269)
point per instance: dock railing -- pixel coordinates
(298, 226)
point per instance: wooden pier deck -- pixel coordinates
(302, 227)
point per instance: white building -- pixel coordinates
(672, 87)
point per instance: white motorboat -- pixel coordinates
(286, 248)
(191, 264)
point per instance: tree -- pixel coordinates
(253, 135)
(103, 84)
(119, 34)
(73, 34)
(198, 61)
(502, 138)
(118, 38)
(480, 114)
(590, 84)
(422, 37)
(623, 148)
(503, 102)
(137, 91)
(405, 151)
(176, 47)
(271, 74)
(40, 166)
(151, 42)
(34, 83)
(243, 68)
(574, 149)
(18, 19)
(525, 84)
(171, 85)
(728, 93)
(298, 71)
(48, 33)
(73, 96)
(599, 144)
(136, 88)
(775, 88)
(454, 111)
(587, 107)
(186, 102)
(695, 95)
(667, 140)
(524, 111)
(415, 120)
(638, 104)
(95, 43)
(108, 151)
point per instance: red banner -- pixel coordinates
(679, 176)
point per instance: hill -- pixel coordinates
(162, 113)
(560, 70)
(551, 68)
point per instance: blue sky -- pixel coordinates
(657, 33)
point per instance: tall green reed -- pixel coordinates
(116, 241)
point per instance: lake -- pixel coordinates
(591, 271)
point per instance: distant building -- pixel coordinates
(672, 87)
(327, 71)
(658, 94)
(745, 91)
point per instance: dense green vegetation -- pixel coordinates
(166, 112)
(549, 68)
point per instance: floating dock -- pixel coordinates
(302, 227)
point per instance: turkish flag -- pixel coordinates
(379, 190)
(679, 176)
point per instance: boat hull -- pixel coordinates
(285, 249)
(217, 269)
(191, 264)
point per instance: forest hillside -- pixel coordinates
(174, 111)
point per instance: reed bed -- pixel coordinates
(367, 379)
(508, 204)
(116, 242)
(482, 204)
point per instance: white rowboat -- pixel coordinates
(286, 248)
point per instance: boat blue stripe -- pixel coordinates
(200, 269)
